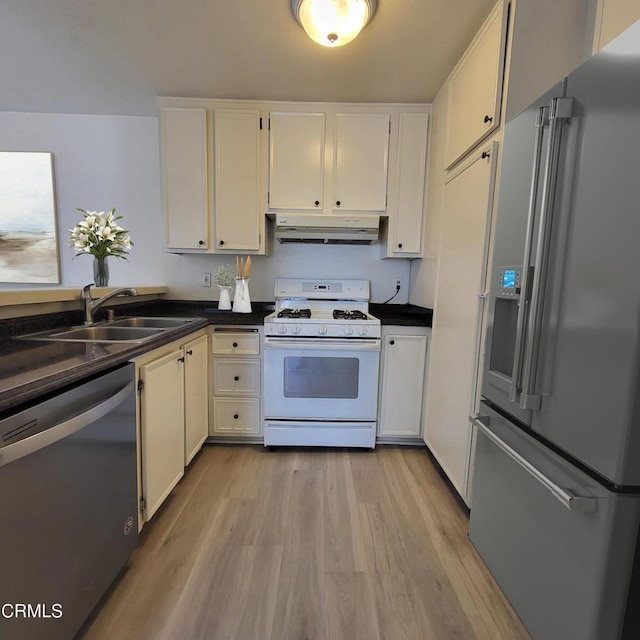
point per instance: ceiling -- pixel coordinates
(115, 56)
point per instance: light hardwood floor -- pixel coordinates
(307, 545)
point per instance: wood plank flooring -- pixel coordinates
(307, 545)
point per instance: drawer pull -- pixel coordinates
(235, 344)
(236, 378)
(235, 416)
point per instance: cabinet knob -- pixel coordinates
(317, 202)
(200, 242)
(181, 359)
(399, 245)
(236, 378)
(221, 242)
(338, 203)
(235, 416)
(392, 341)
(235, 344)
(190, 352)
(485, 154)
(488, 119)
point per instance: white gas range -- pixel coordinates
(321, 363)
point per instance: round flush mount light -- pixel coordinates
(333, 23)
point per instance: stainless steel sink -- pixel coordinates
(159, 323)
(131, 330)
(104, 334)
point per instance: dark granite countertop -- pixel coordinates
(30, 368)
(408, 315)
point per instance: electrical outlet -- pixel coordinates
(398, 283)
(205, 280)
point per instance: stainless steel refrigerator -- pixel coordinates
(555, 510)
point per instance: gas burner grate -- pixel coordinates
(295, 313)
(340, 314)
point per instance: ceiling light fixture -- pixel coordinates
(333, 23)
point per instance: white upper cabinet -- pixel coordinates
(406, 212)
(185, 177)
(296, 161)
(475, 88)
(613, 17)
(239, 222)
(328, 162)
(360, 161)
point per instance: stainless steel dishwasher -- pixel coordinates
(68, 504)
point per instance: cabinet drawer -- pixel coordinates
(236, 416)
(235, 376)
(235, 343)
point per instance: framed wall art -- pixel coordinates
(28, 228)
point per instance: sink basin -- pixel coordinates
(131, 330)
(159, 323)
(104, 334)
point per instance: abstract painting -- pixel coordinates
(28, 242)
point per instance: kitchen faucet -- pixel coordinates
(89, 307)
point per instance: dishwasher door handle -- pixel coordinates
(50, 436)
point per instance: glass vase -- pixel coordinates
(100, 271)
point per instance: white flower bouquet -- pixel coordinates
(99, 234)
(224, 275)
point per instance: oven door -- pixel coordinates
(321, 378)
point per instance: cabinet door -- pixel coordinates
(237, 180)
(162, 428)
(475, 89)
(361, 158)
(402, 385)
(184, 178)
(296, 161)
(196, 392)
(457, 321)
(612, 18)
(406, 223)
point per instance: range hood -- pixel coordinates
(318, 228)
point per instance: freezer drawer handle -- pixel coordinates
(43, 439)
(566, 497)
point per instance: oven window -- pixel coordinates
(321, 377)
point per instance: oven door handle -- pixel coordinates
(321, 344)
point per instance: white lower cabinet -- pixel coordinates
(456, 352)
(402, 380)
(196, 392)
(162, 428)
(172, 416)
(236, 383)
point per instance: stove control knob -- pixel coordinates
(322, 329)
(362, 330)
(282, 328)
(348, 331)
(295, 328)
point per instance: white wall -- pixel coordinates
(106, 161)
(296, 261)
(100, 162)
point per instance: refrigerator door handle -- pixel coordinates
(560, 111)
(567, 497)
(542, 121)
